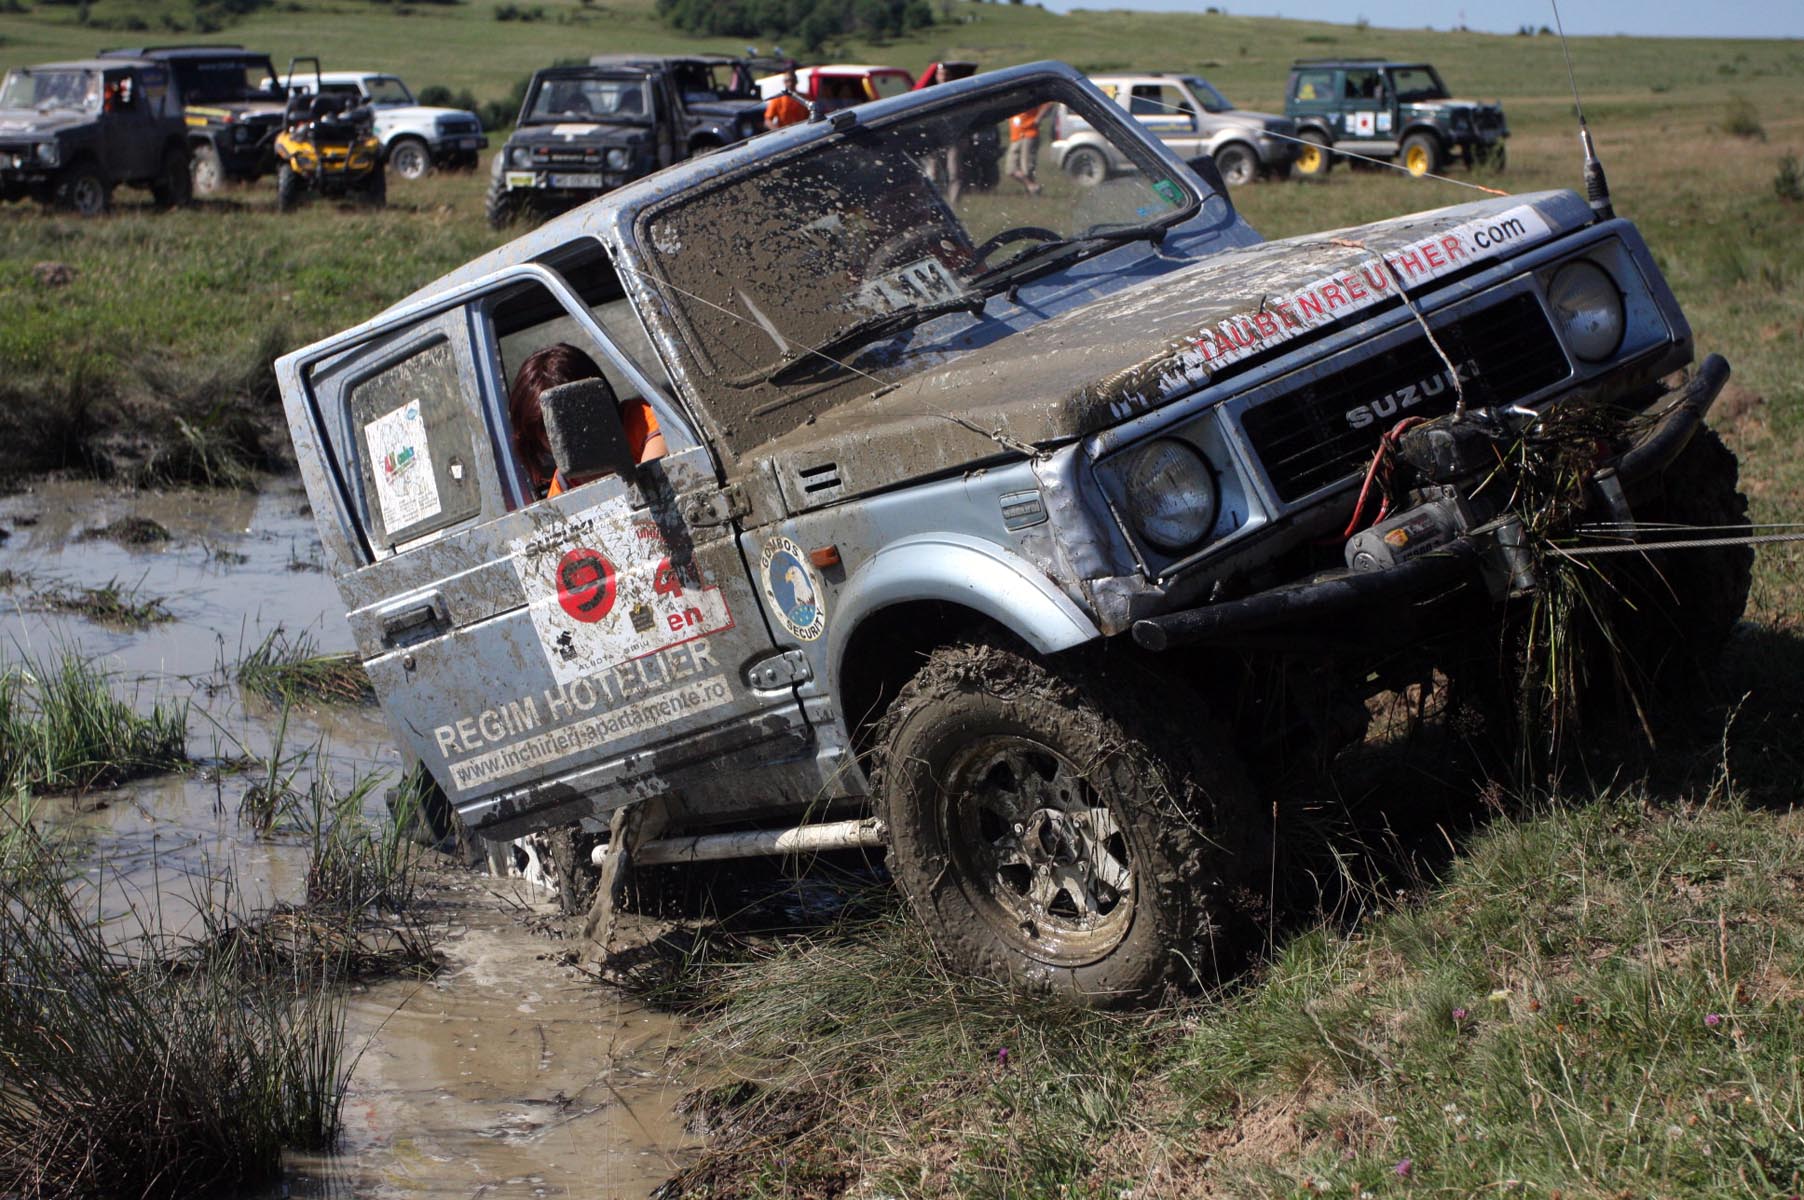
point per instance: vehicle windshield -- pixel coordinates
(386, 90)
(1418, 83)
(44, 90)
(576, 98)
(799, 284)
(1211, 100)
(223, 81)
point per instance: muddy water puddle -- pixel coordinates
(508, 1074)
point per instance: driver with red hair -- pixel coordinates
(546, 368)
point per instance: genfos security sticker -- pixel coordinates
(791, 588)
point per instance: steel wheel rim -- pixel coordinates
(87, 196)
(205, 174)
(1309, 159)
(1041, 856)
(1240, 170)
(409, 161)
(1417, 161)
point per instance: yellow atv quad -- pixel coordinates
(328, 145)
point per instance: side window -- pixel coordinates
(1313, 86)
(341, 89)
(1161, 104)
(1364, 85)
(415, 446)
(155, 82)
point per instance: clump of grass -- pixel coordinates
(1788, 183)
(1598, 1000)
(62, 729)
(1741, 119)
(290, 670)
(128, 531)
(109, 604)
(129, 1072)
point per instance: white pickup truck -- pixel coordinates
(415, 138)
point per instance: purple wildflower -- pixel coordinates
(1713, 1019)
(1459, 1014)
(1002, 1056)
(1403, 1168)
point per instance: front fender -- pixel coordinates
(966, 571)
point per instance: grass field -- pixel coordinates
(1529, 1013)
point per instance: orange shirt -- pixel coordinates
(784, 109)
(639, 421)
(1025, 125)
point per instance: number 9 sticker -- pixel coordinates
(585, 584)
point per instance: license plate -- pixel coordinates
(924, 282)
(466, 143)
(519, 179)
(575, 181)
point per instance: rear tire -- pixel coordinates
(84, 191)
(409, 158)
(174, 188)
(1054, 826)
(289, 186)
(1313, 158)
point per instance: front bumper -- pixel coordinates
(447, 148)
(1335, 598)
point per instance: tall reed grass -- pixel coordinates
(62, 729)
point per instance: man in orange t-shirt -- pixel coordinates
(785, 109)
(1024, 147)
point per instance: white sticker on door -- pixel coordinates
(401, 462)
(604, 588)
(1364, 123)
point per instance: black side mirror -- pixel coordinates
(582, 423)
(1204, 165)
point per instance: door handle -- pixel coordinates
(416, 621)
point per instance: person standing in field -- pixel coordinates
(1024, 147)
(784, 108)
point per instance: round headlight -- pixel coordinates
(616, 159)
(520, 156)
(1588, 306)
(1171, 495)
(49, 153)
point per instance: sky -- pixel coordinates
(1660, 18)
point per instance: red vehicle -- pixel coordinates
(841, 85)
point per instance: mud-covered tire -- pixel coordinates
(1314, 160)
(1087, 166)
(1237, 163)
(289, 186)
(1019, 793)
(206, 173)
(498, 205)
(174, 186)
(1671, 613)
(409, 158)
(1422, 154)
(84, 191)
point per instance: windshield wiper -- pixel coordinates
(1049, 255)
(864, 330)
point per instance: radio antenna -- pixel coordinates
(1597, 188)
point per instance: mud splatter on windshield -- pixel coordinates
(818, 277)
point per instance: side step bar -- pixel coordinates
(754, 843)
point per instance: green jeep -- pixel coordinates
(1387, 110)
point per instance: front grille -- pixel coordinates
(460, 126)
(1488, 120)
(1328, 429)
(565, 156)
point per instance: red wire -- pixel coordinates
(1380, 458)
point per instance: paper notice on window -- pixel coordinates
(402, 465)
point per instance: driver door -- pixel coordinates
(545, 659)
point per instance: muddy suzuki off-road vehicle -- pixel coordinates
(72, 132)
(1005, 536)
(586, 130)
(233, 104)
(1388, 110)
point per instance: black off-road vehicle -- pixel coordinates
(232, 100)
(586, 130)
(72, 132)
(1390, 110)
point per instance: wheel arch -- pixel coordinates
(927, 591)
(705, 141)
(1315, 125)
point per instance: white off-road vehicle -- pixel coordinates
(415, 137)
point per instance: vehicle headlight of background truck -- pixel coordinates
(520, 156)
(50, 154)
(1171, 494)
(617, 159)
(1588, 307)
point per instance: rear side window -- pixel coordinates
(416, 446)
(1312, 85)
